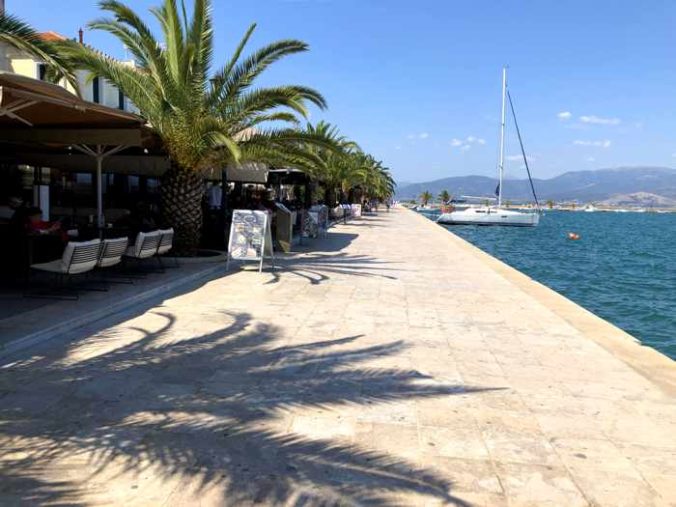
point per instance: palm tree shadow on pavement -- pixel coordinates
(202, 414)
(316, 268)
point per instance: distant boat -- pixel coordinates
(590, 208)
(497, 215)
(490, 215)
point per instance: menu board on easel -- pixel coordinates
(250, 237)
(320, 214)
(309, 227)
(284, 227)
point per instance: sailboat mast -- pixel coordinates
(502, 136)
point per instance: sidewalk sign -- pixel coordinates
(250, 237)
(320, 214)
(284, 227)
(310, 224)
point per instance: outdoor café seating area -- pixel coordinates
(44, 210)
(59, 261)
(84, 257)
(80, 192)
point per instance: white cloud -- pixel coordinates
(467, 143)
(421, 135)
(564, 115)
(397, 147)
(604, 143)
(597, 120)
(591, 159)
(513, 158)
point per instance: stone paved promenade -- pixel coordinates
(393, 365)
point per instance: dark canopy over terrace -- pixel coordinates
(29, 102)
(44, 124)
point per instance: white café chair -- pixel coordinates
(78, 258)
(145, 246)
(112, 251)
(165, 245)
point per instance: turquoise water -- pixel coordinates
(623, 268)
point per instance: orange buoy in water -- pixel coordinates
(573, 236)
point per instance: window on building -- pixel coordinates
(42, 71)
(96, 90)
(120, 99)
(83, 178)
(134, 184)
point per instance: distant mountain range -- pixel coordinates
(639, 186)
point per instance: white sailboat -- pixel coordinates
(497, 215)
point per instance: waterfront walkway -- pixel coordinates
(396, 365)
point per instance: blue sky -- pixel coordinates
(418, 83)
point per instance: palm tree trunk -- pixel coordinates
(329, 197)
(181, 194)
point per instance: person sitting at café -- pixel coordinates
(259, 204)
(36, 226)
(39, 240)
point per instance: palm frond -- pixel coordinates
(136, 85)
(243, 74)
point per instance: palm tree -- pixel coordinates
(550, 203)
(444, 196)
(426, 197)
(383, 184)
(335, 166)
(203, 118)
(370, 176)
(23, 37)
(329, 167)
(343, 169)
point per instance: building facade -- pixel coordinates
(94, 89)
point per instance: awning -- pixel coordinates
(131, 161)
(287, 177)
(30, 102)
(47, 118)
(250, 172)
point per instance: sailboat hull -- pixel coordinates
(490, 216)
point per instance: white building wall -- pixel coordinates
(13, 60)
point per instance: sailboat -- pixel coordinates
(498, 215)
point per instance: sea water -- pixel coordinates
(623, 267)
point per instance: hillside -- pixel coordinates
(625, 184)
(639, 199)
